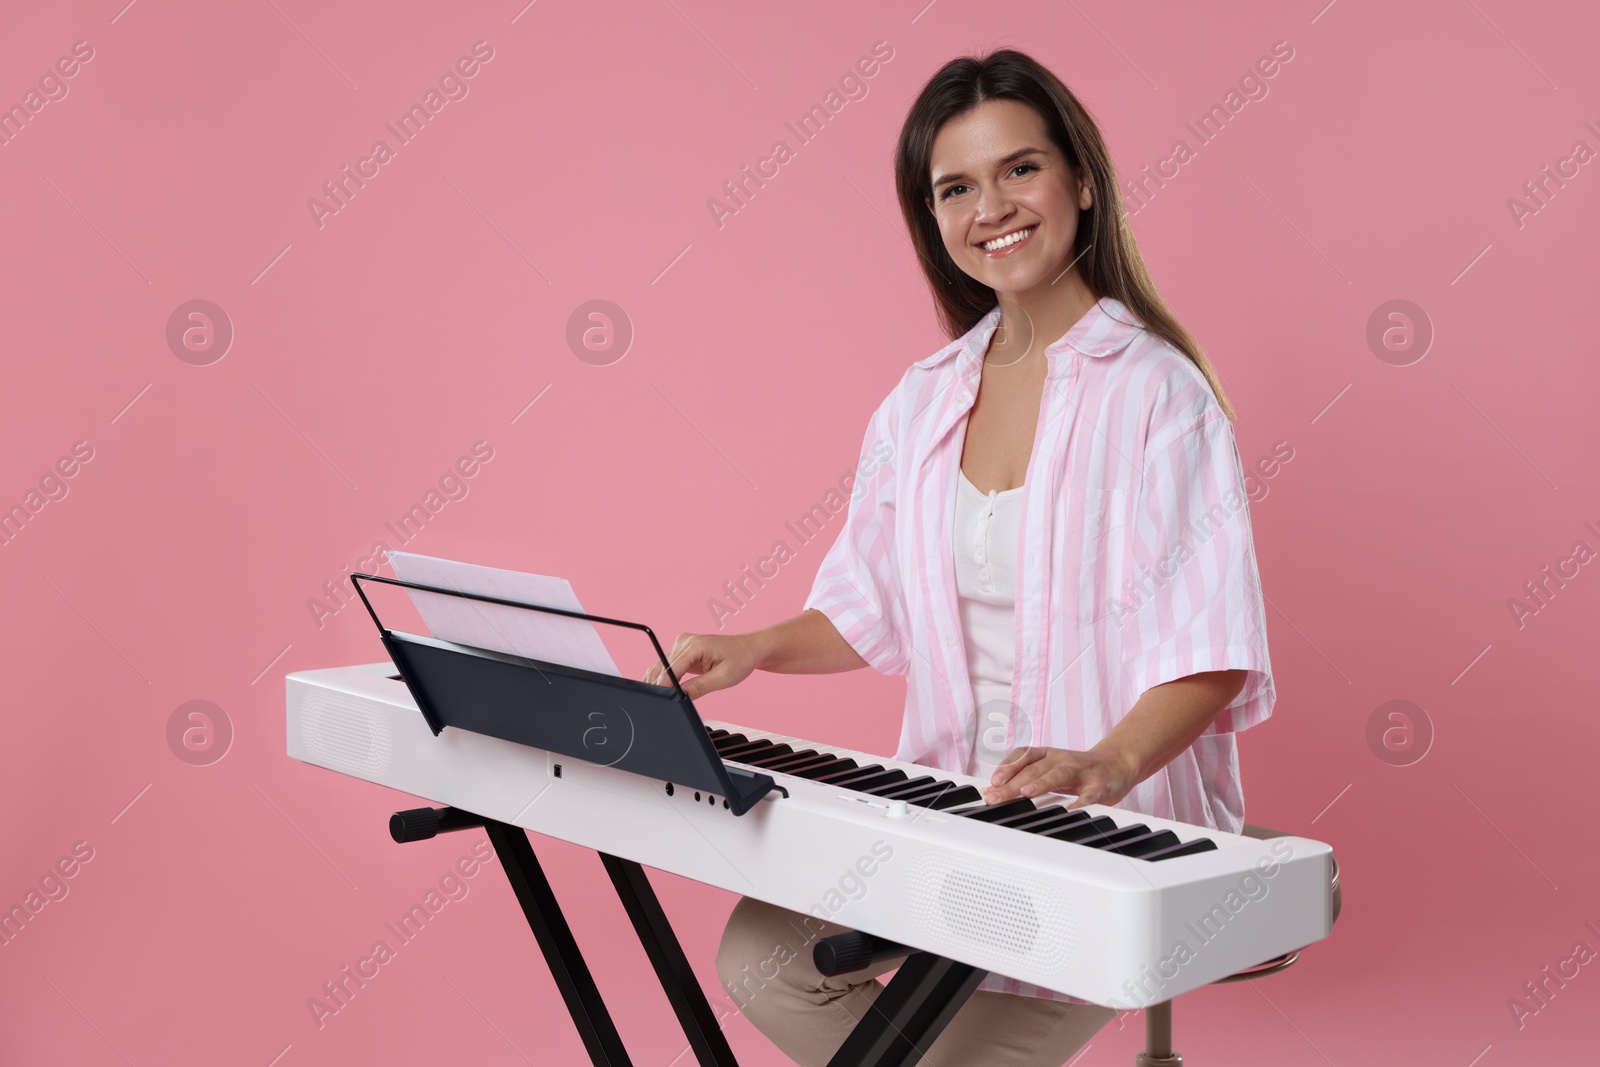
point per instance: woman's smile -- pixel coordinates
(1008, 243)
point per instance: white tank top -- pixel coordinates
(986, 590)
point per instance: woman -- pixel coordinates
(1056, 553)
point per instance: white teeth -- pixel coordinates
(1002, 242)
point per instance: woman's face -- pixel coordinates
(997, 174)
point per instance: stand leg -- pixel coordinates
(921, 999)
(672, 967)
(560, 949)
(1158, 1038)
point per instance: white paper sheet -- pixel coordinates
(532, 634)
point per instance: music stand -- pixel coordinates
(579, 713)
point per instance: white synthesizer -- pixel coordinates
(1116, 907)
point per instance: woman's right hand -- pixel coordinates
(718, 661)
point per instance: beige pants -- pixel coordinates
(766, 967)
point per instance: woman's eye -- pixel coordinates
(950, 190)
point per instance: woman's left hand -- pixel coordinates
(1092, 777)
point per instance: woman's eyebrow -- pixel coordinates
(1013, 157)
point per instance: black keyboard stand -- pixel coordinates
(560, 948)
(920, 1000)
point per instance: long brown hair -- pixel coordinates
(1105, 249)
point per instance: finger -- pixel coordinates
(1017, 759)
(709, 682)
(656, 675)
(686, 657)
(999, 794)
(1050, 777)
(1007, 790)
(676, 651)
(1012, 790)
(1020, 766)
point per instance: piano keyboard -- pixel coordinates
(1116, 907)
(1052, 820)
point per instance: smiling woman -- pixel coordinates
(1069, 441)
(1039, 151)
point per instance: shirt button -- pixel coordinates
(965, 397)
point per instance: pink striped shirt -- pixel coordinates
(1135, 564)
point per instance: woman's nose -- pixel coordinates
(993, 204)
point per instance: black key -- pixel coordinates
(751, 745)
(776, 752)
(1044, 820)
(1150, 841)
(1078, 831)
(717, 733)
(1115, 837)
(795, 764)
(996, 812)
(799, 759)
(831, 765)
(839, 777)
(1188, 848)
(867, 781)
(894, 789)
(730, 741)
(772, 761)
(951, 798)
(754, 748)
(922, 793)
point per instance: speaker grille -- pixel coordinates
(344, 734)
(1012, 912)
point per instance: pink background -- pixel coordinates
(372, 352)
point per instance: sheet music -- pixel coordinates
(532, 634)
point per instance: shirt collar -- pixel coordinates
(1104, 329)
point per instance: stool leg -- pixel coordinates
(1158, 1038)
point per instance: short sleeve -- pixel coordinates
(858, 587)
(1195, 600)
